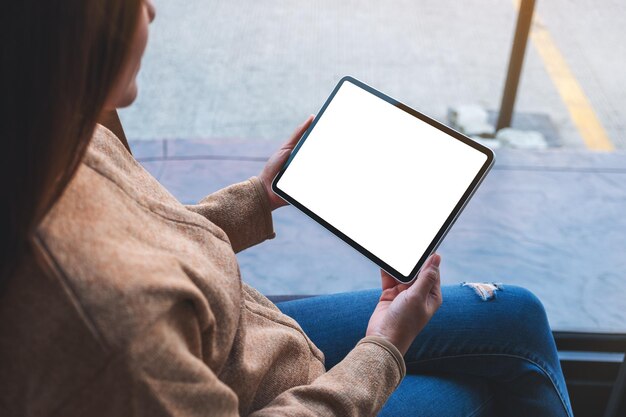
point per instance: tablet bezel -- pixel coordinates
(458, 208)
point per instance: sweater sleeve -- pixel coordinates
(359, 385)
(242, 210)
(161, 374)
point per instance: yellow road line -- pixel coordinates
(572, 94)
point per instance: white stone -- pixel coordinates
(470, 119)
(521, 139)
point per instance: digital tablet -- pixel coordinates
(384, 178)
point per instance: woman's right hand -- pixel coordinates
(403, 310)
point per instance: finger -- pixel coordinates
(297, 134)
(436, 296)
(390, 282)
(387, 280)
(428, 278)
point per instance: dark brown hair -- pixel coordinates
(59, 60)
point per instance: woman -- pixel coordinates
(118, 300)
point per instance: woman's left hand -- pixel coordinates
(276, 161)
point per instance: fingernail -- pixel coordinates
(436, 260)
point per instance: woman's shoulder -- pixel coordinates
(129, 251)
(107, 156)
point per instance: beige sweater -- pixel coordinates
(133, 305)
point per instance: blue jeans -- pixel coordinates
(474, 358)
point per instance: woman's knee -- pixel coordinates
(513, 310)
(526, 306)
(524, 318)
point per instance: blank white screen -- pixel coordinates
(382, 177)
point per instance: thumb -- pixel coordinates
(427, 278)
